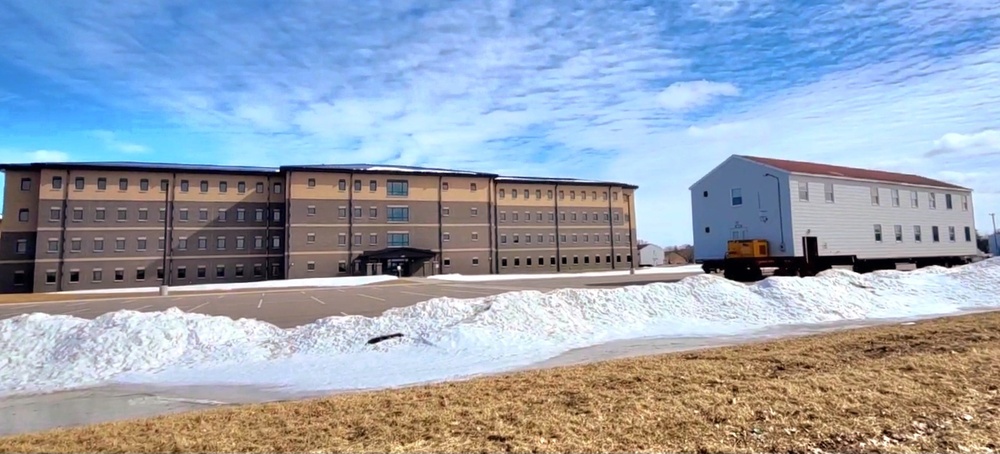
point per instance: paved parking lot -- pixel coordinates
(292, 307)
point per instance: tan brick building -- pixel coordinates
(76, 226)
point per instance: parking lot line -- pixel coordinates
(143, 307)
(317, 300)
(198, 306)
(372, 297)
(260, 302)
(420, 294)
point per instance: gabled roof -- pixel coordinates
(645, 245)
(827, 170)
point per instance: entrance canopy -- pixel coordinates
(397, 253)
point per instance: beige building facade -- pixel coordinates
(119, 225)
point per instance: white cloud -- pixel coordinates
(111, 142)
(982, 142)
(24, 157)
(689, 95)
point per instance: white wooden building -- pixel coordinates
(850, 211)
(651, 255)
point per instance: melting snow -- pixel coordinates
(451, 338)
(278, 283)
(517, 277)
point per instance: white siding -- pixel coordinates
(846, 226)
(651, 255)
(756, 218)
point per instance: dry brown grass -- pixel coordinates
(930, 387)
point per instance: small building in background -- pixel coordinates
(676, 258)
(650, 255)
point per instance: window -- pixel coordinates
(140, 274)
(203, 186)
(77, 214)
(878, 233)
(223, 186)
(397, 188)
(502, 194)
(241, 243)
(25, 184)
(102, 184)
(372, 185)
(239, 270)
(277, 188)
(373, 239)
(57, 182)
(398, 214)
(100, 214)
(74, 276)
(358, 212)
(143, 214)
(737, 196)
(803, 191)
(202, 272)
(342, 212)
(241, 214)
(160, 243)
(98, 244)
(276, 214)
(79, 183)
(445, 211)
(119, 274)
(968, 234)
(276, 242)
(123, 184)
(475, 261)
(503, 262)
(916, 233)
(122, 214)
(932, 200)
(475, 236)
(894, 193)
(311, 183)
(185, 185)
(221, 215)
(310, 266)
(947, 202)
(76, 245)
(951, 234)
(445, 236)
(184, 216)
(119, 244)
(22, 215)
(220, 270)
(373, 212)
(258, 215)
(50, 277)
(259, 188)
(22, 247)
(935, 236)
(914, 199)
(473, 187)
(357, 185)
(203, 214)
(55, 214)
(97, 275)
(875, 197)
(357, 239)
(159, 273)
(342, 266)
(141, 244)
(241, 187)
(182, 272)
(164, 185)
(143, 184)
(965, 203)
(202, 243)
(397, 240)
(53, 245)
(342, 185)
(220, 243)
(898, 231)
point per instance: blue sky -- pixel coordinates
(653, 93)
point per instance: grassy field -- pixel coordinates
(925, 387)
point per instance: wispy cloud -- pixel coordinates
(631, 90)
(111, 142)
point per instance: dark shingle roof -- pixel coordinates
(141, 166)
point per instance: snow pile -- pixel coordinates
(449, 338)
(683, 269)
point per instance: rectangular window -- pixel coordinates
(311, 210)
(220, 243)
(144, 184)
(277, 188)
(239, 270)
(76, 245)
(803, 191)
(398, 239)
(143, 214)
(311, 183)
(22, 247)
(736, 194)
(916, 233)
(951, 234)
(342, 239)
(164, 185)
(914, 199)
(122, 214)
(398, 214)
(123, 184)
(373, 239)
(373, 212)
(185, 185)
(357, 185)
(98, 244)
(241, 187)
(221, 215)
(50, 277)
(372, 185)
(357, 239)
(241, 243)
(57, 182)
(140, 274)
(203, 186)
(102, 184)
(181, 272)
(25, 184)
(184, 214)
(358, 212)
(965, 203)
(932, 200)
(97, 275)
(875, 196)
(397, 188)
(203, 214)
(202, 272)
(22, 215)
(141, 244)
(80, 182)
(898, 231)
(55, 214)
(947, 202)
(119, 274)
(894, 193)
(223, 187)
(878, 232)
(968, 234)
(935, 235)
(259, 188)
(220, 270)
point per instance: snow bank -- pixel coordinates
(279, 283)
(517, 277)
(451, 338)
